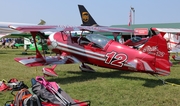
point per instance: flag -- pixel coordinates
(130, 18)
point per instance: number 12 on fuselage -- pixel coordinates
(116, 59)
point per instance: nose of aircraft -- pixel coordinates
(51, 42)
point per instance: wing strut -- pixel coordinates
(115, 34)
(38, 54)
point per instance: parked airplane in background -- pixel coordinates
(86, 17)
(7, 32)
(172, 36)
(97, 50)
(87, 20)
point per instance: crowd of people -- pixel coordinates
(10, 42)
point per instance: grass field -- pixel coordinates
(106, 87)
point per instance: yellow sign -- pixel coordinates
(85, 16)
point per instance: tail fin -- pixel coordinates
(87, 19)
(157, 47)
(42, 22)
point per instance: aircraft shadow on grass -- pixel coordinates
(33, 53)
(173, 81)
(27, 53)
(151, 83)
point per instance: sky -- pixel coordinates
(105, 12)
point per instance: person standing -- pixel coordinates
(3, 43)
(121, 40)
(12, 45)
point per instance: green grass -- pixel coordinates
(106, 87)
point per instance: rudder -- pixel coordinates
(157, 47)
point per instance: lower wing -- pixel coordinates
(48, 60)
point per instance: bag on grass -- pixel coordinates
(20, 96)
(52, 92)
(3, 86)
(43, 93)
(55, 90)
(18, 85)
(32, 100)
(12, 83)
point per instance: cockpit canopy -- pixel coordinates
(97, 39)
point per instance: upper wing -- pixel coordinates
(5, 30)
(2, 35)
(167, 30)
(105, 29)
(57, 28)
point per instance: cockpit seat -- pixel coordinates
(83, 41)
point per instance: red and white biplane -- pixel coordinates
(97, 50)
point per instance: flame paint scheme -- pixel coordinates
(98, 50)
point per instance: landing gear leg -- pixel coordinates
(85, 68)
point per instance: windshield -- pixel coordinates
(98, 39)
(136, 39)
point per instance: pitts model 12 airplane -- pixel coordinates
(97, 50)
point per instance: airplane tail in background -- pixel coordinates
(157, 47)
(87, 19)
(42, 22)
